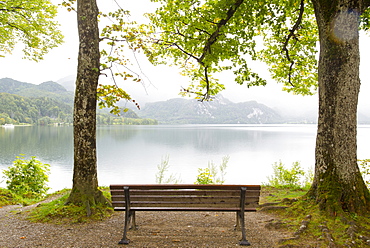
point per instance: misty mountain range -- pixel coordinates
(173, 111)
(47, 89)
(218, 111)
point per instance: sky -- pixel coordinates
(164, 82)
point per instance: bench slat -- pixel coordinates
(187, 192)
(177, 209)
(182, 204)
(185, 200)
(184, 197)
(180, 198)
(185, 186)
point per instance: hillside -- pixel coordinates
(173, 111)
(19, 109)
(47, 89)
(218, 111)
(49, 103)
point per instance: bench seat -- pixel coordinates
(184, 197)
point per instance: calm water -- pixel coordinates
(130, 154)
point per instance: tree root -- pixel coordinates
(327, 235)
(87, 198)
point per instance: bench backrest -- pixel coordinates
(185, 197)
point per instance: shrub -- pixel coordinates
(162, 169)
(204, 176)
(308, 178)
(365, 170)
(287, 178)
(27, 178)
(213, 174)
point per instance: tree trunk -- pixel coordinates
(338, 185)
(85, 182)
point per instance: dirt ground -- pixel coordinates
(156, 229)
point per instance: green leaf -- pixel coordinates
(31, 23)
(206, 37)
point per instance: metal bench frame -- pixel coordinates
(184, 197)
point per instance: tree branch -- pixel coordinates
(202, 31)
(206, 95)
(178, 47)
(213, 37)
(292, 35)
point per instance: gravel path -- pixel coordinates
(156, 229)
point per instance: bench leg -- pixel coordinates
(133, 221)
(244, 240)
(237, 223)
(124, 240)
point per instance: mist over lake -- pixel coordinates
(130, 154)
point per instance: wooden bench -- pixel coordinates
(184, 197)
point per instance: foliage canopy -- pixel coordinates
(31, 23)
(206, 37)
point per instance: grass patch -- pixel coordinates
(276, 195)
(57, 212)
(347, 230)
(7, 197)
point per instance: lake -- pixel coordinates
(130, 154)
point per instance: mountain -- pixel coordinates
(223, 111)
(47, 89)
(218, 111)
(49, 103)
(173, 111)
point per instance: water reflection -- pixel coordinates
(130, 154)
(49, 143)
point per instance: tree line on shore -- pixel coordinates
(46, 111)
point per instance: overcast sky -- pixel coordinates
(165, 82)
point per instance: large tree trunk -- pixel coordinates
(338, 185)
(85, 182)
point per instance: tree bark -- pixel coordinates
(338, 185)
(85, 182)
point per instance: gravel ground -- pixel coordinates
(156, 229)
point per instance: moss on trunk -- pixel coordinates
(334, 197)
(338, 185)
(87, 197)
